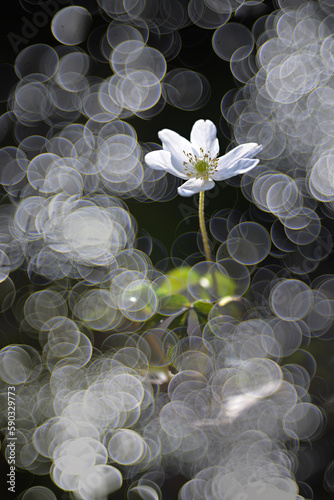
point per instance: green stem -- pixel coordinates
(206, 239)
(202, 226)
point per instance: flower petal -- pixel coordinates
(237, 161)
(247, 150)
(195, 186)
(161, 160)
(246, 164)
(176, 144)
(239, 167)
(204, 135)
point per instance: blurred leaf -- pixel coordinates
(180, 320)
(177, 282)
(203, 308)
(192, 322)
(173, 304)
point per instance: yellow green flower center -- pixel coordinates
(202, 167)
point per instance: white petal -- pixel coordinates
(237, 161)
(239, 167)
(161, 160)
(195, 186)
(247, 150)
(176, 144)
(204, 135)
(246, 165)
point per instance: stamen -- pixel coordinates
(202, 167)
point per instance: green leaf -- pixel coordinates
(176, 282)
(173, 304)
(203, 308)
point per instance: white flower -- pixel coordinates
(197, 160)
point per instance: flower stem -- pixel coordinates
(202, 226)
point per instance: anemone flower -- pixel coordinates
(197, 160)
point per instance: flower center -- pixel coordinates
(202, 167)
